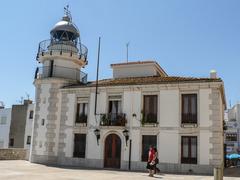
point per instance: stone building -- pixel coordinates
(20, 125)
(141, 105)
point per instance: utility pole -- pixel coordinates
(96, 92)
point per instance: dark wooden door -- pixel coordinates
(112, 153)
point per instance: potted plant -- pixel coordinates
(104, 120)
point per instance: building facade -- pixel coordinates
(5, 121)
(232, 134)
(112, 126)
(20, 124)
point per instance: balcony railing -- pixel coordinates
(149, 118)
(60, 72)
(51, 47)
(113, 119)
(189, 118)
(81, 119)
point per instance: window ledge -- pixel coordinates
(189, 125)
(150, 125)
(81, 124)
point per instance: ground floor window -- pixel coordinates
(29, 140)
(79, 145)
(189, 150)
(147, 141)
(11, 142)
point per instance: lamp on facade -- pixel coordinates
(97, 133)
(126, 134)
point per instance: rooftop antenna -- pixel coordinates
(230, 104)
(67, 12)
(127, 50)
(28, 96)
(21, 100)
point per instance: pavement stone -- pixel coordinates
(24, 170)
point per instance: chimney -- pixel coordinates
(213, 74)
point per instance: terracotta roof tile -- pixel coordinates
(146, 80)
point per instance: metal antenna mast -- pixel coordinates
(127, 50)
(67, 12)
(99, 43)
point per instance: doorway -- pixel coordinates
(112, 151)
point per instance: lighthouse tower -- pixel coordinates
(61, 58)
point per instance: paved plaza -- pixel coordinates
(24, 170)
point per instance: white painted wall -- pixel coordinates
(29, 126)
(62, 63)
(71, 109)
(94, 151)
(169, 108)
(136, 145)
(204, 102)
(5, 128)
(136, 70)
(204, 147)
(132, 105)
(169, 146)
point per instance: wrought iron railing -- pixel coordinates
(113, 119)
(189, 118)
(149, 118)
(60, 72)
(51, 47)
(82, 118)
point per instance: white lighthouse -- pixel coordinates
(61, 58)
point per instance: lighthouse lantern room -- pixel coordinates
(63, 55)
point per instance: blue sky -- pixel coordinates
(187, 38)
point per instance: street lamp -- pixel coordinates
(126, 134)
(97, 133)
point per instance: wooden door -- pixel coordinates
(112, 152)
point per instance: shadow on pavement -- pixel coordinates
(232, 172)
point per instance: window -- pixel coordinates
(31, 115)
(3, 120)
(114, 115)
(11, 142)
(114, 104)
(29, 140)
(147, 141)
(81, 116)
(189, 150)
(43, 122)
(150, 106)
(189, 108)
(79, 145)
(231, 137)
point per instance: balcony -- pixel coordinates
(189, 118)
(149, 119)
(113, 119)
(60, 72)
(81, 119)
(51, 47)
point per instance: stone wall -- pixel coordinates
(13, 154)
